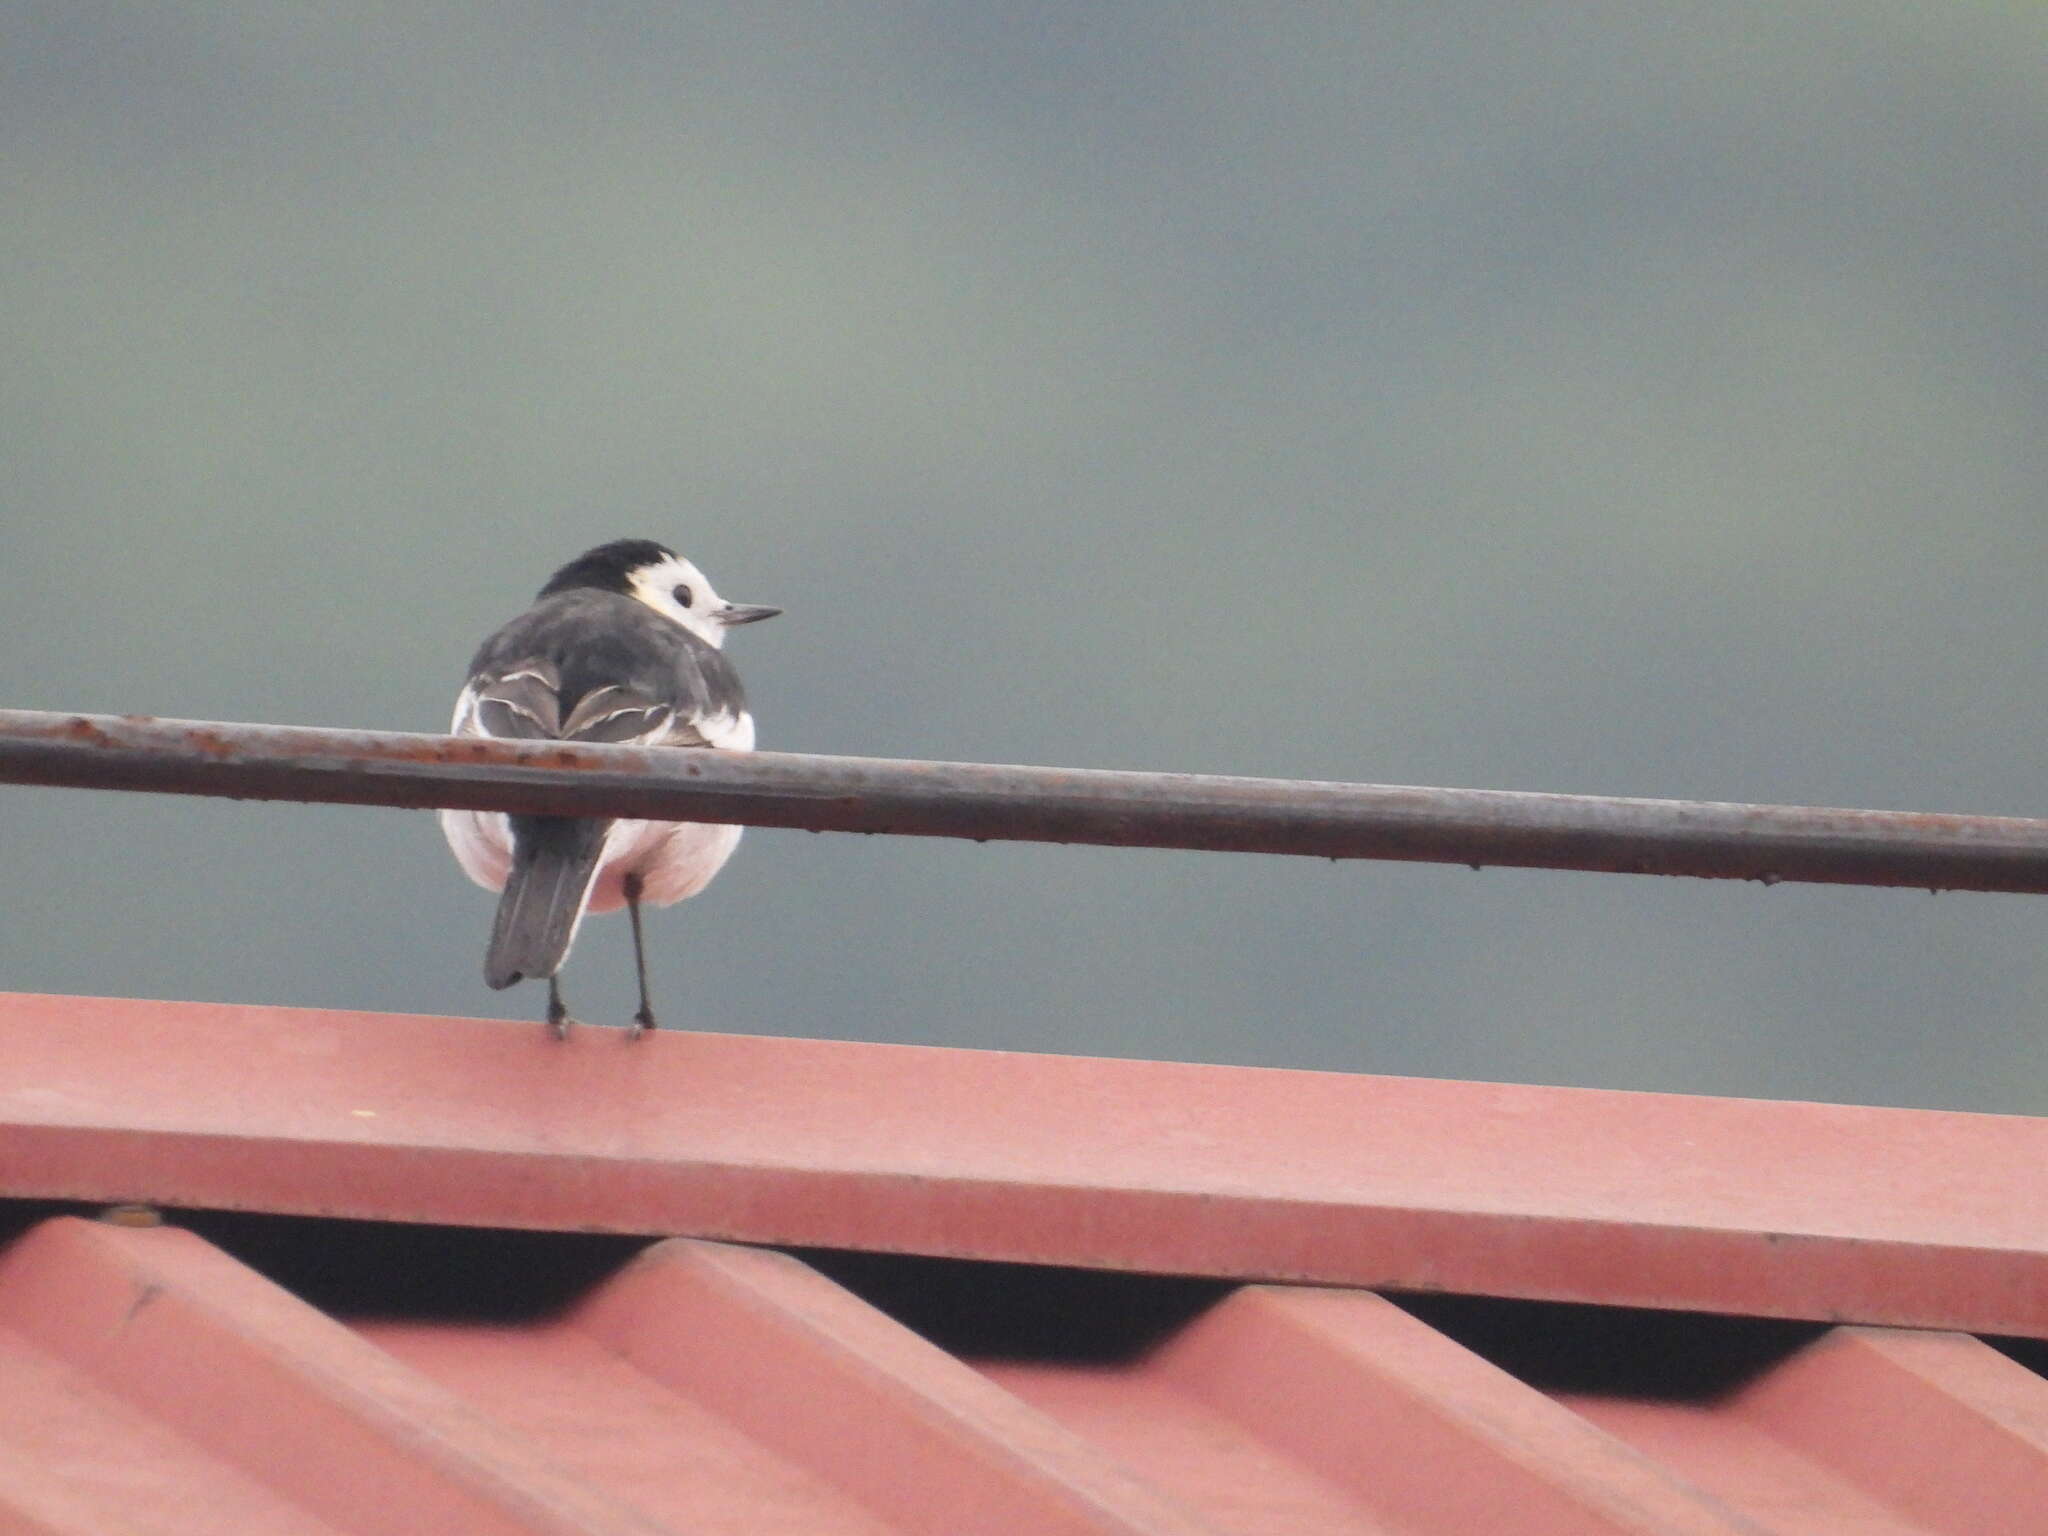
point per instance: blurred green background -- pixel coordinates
(1642, 399)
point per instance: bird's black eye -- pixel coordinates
(682, 595)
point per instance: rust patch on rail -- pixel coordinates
(212, 743)
(448, 749)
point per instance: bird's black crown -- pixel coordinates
(607, 566)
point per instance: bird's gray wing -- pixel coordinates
(619, 713)
(522, 701)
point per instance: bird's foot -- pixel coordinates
(558, 1012)
(643, 1024)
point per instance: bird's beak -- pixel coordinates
(745, 613)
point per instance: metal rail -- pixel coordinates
(989, 802)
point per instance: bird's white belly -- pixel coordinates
(674, 859)
(482, 844)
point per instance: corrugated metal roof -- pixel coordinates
(291, 1374)
(156, 1384)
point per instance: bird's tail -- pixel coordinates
(554, 861)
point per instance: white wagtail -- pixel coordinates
(621, 645)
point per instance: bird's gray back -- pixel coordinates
(586, 641)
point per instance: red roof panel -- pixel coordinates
(1400, 1424)
(1793, 1210)
(1936, 1425)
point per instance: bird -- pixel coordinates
(624, 644)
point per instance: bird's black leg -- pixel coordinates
(558, 1011)
(643, 1021)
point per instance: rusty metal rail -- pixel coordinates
(989, 802)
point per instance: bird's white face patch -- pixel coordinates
(677, 590)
